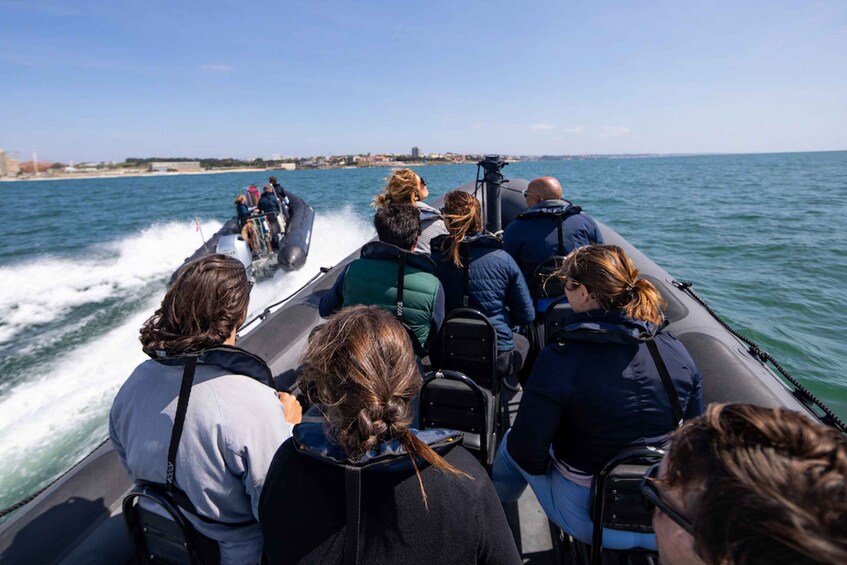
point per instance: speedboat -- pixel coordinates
(286, 247)
(78, 518)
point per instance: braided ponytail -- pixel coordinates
(362, 370)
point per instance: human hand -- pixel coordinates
(292, 408)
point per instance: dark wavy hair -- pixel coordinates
(399, 224)
(361, 368)
(204, 305)
(762, 485)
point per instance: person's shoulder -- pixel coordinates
(462, 460)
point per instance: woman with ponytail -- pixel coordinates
(596, 391)
(365, 472)
(495, 284)
(404, 186)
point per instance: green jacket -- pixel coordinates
(372, 280)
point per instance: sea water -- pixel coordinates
(84, 262)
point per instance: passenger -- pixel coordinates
(495, 285)
(248, 231)
(269, 205)
(365, 487)
(746, 484)
(533, 236)
(254, 195)
(242, 210)
(283, 197)
(596, 392)
(234, 421)
(373, 279)
(404, 186)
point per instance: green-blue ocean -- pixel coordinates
(84, 262)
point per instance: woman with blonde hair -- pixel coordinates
(364, 486)
(596, 391)
(404, 186)
(477, 273)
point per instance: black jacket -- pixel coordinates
(303, 505)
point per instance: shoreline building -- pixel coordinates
(416, 152)
(175, 166)
(8, 167)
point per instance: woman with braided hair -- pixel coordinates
(596, 391)
(494, 285)
(363, 486)
(405, 186)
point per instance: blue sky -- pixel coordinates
(97, 80)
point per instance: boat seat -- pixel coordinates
(160, 539)
(452, 400)
(467, 343)
(545, 286)
(616, 500)
(554, 319)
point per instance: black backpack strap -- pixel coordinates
(353, 490)
(179, 419)
(666, 380)
(561, 235)
(466, 280)
(401, 279)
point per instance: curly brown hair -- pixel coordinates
(762, 485)
(204, 305)
(361, 368)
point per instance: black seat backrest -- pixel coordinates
(616, 500)
(468, 344)
(158, 539)
(554, 318)
(452, 400)
(545, 283)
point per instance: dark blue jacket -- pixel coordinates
(495, 283)
(533, 236)
(386, 291)
(243, 211)
(268, 203)
(597, 392)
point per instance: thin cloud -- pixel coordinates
(576, 130)
(215, 68)
(613, 131)
(541, 127)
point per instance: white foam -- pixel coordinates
(43, 291)
(62, 410)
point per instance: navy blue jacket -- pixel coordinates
(533, 236)
(243, 211)
(495, 283)
(333, 299)
(597, 391)
(268, 203)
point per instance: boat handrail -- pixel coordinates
(267, 311)
(801, 392)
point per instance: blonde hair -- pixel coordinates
(463, 216)
(402, 187)
(607, 272)
(361, 368)
(240, 199)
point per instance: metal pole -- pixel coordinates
(492, 164)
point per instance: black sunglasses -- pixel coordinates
(653, 499)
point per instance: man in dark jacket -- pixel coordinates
(535, 236)
(269, 204)
(283, 197)
(373, 279)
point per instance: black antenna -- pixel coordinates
(493, 178)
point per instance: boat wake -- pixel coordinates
(69, 337)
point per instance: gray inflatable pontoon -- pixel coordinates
(78, 518)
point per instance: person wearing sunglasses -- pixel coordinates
(746, 484)
(212, 454)
(533, 236)
(404, 186)
(595, 391)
